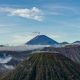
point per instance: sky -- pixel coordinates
(21, 20)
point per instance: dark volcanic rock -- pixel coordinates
(70, 51)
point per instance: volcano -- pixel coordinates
(41, 66)
(41, 40)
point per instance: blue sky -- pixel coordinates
(21, 20)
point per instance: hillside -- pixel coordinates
(70, 51)
(42, 66)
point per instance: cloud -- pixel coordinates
(10, 67)
(6, 59)
(33, 13)
(61, 10)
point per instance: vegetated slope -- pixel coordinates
(42, 66)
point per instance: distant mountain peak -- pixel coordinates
(42, 40)
(64, 43)
(76, 42)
